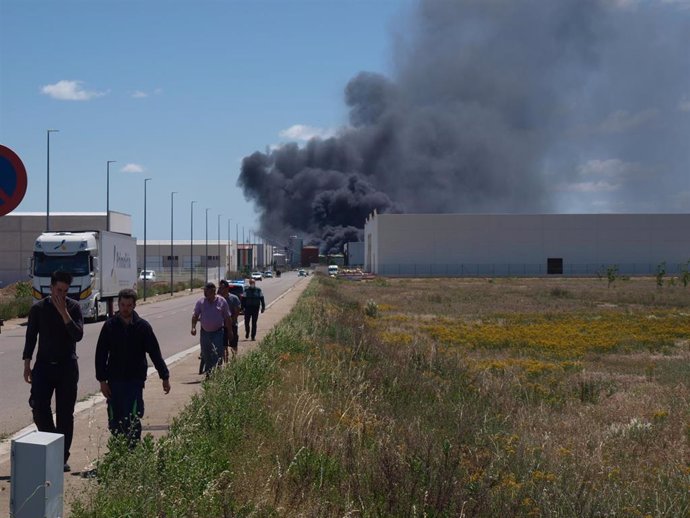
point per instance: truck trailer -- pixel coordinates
(101, 263)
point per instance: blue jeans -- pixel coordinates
(212, 349)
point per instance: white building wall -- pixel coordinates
(498, 244)
(19, 230)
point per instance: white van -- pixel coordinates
(333, 270)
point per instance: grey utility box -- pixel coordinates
(37, 476)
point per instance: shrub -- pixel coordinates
(612, 274)
(660, 273)
(560, 293)
(685, 274)
(22, 289)
(17, 308)
(371, 309)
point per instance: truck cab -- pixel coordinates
(73, 253)
(101, 263)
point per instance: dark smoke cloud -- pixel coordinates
(496, 106)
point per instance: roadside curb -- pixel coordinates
(91, 432)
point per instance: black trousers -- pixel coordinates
(251, 315)
(234, 337)
(60, 378)
(126, 408)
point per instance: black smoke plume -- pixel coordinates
(494, 106)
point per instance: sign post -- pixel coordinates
(12, 180)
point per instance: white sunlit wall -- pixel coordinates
(19, 230)
(525, 244)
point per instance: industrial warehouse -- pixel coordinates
(212, 258)
(419, 245)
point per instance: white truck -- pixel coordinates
(101, 263)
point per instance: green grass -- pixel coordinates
(336, 415)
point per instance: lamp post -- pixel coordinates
(218, 247)
(206, 260)
(107, 193)
(48, 132)
(146, 180)
(172, 194)
(251, 254)
(228, 248)
(237, 246)
(191, 248)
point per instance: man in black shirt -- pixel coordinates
(252, 303)
(58, 324)
(121, 366)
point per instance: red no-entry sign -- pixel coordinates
(12, 180)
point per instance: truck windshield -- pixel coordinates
(45, 265)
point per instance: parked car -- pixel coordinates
(257, 276)
(301, 273)
(149, 275)
(268, 274)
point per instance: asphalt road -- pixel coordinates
(171, 321)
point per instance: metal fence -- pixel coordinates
(523, 270)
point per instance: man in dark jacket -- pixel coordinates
(58, 324)
(234, 303)
(252, 302)
(121, 366)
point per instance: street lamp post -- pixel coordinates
(107, 194)
(218, 247)
(229, 248)
(191, 248)
(146, 180)
(48, 132)
(171, 241)
(237, 246)
(206, 261)
(251, 254)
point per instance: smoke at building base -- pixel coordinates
(495, 107)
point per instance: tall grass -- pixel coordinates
(346, 411)
(19, 304)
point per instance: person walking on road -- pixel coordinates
(231, 334)
(121, 366)
(253, 302)
(58, 324)
(214, 314)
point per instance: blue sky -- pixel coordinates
(175, 91)
(501, 106)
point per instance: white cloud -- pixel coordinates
(304, 132)
(624, 4)
(684, 103)
(682, 4)
(610, 168)
(602, 176)
(680, 201)
(621, 121)
(600, 186)
(632, 5)
(132, 168)
(70, 91)
(141, 94)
